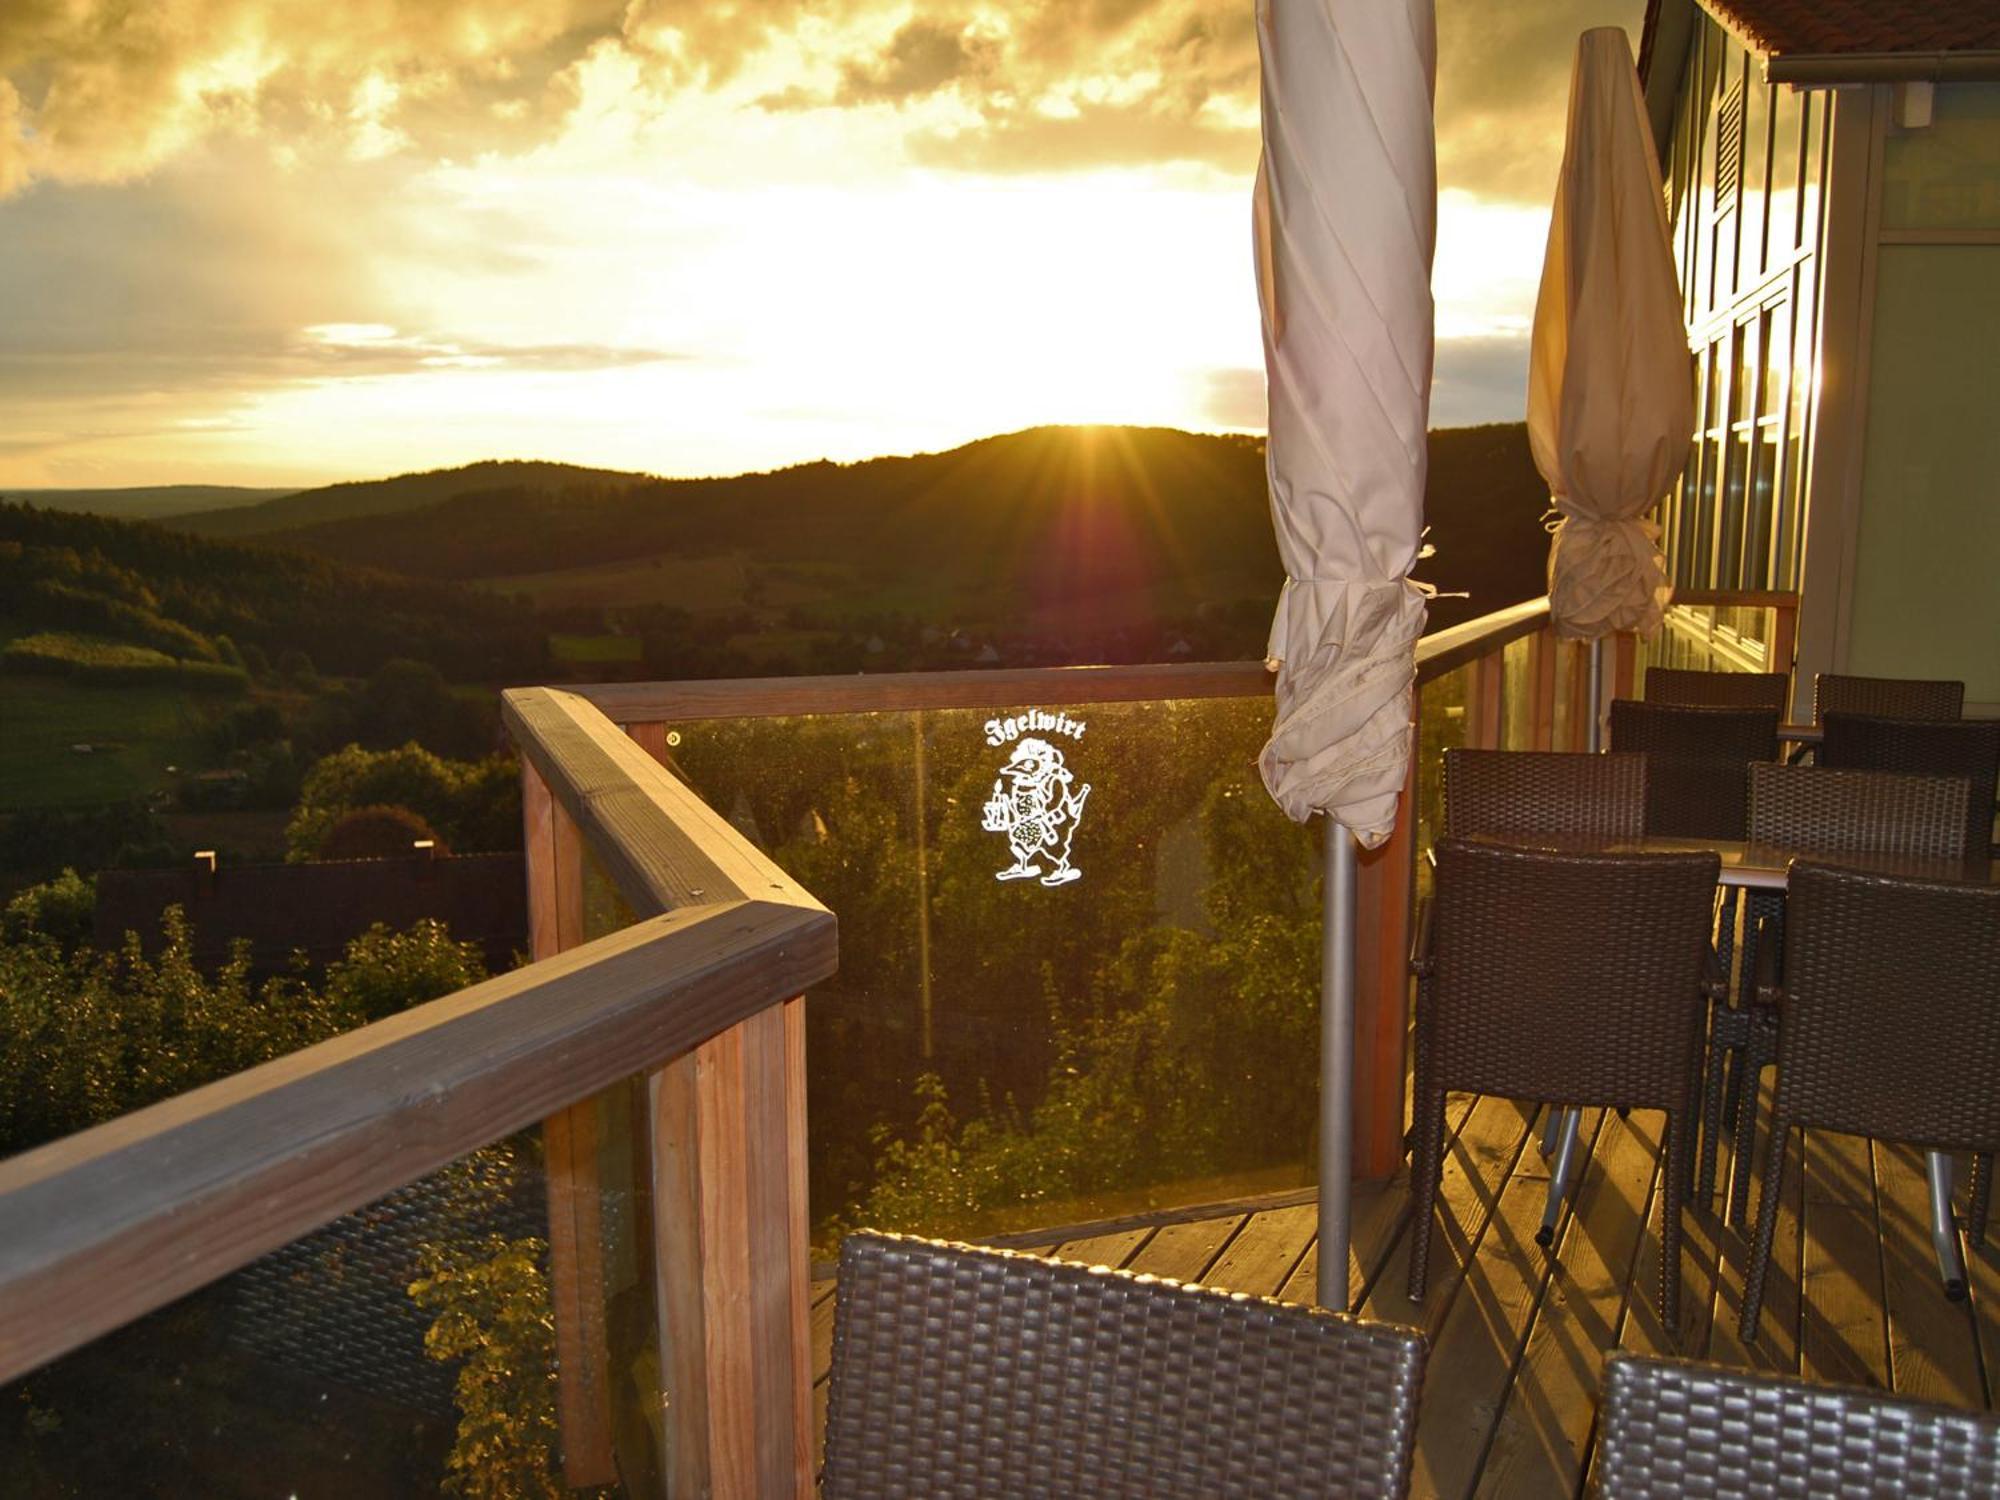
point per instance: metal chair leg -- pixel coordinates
(1944, 1230)
(1552, 1131)
(1565, 1156)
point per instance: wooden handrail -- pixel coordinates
(1012, 687)
(111, 1223)
(1445, 651)
(1738, 598)
(662, 846)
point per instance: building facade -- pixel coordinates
(1835, 203)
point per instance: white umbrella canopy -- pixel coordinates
(1346, 212)
(1610, 383)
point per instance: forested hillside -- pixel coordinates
(374, 497)
(1056, 527)
(143, 585)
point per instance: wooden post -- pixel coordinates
(1542, 670)
(1383, 894)
(569, 1149)
(1781, 655)
(1486, 695)
(731, 1261)
(731, 1255)
(1578, 689)
(1624, 665)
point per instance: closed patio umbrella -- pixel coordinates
(1346, 208)
(1610, 384)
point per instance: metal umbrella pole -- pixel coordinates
(1559, 1135)
(1336, 1064)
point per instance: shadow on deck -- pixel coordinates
(1518, 1336)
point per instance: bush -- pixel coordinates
(41, 842)
(476, 805)
(376, 833)
(61, 909)
(86, 1035)
(491, 1309)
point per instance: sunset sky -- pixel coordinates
(289, 241)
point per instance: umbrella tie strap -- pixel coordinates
(1605, 576)
(1341, 742)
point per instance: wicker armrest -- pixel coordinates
(1420, 943)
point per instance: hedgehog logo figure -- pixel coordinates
(1037, 805)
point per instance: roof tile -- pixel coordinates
(1818, 27)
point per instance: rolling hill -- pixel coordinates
(140, 582)
(151, 502)
(1059, 529)
(367, 498)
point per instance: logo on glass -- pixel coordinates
(1036, 800)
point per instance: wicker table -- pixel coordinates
(1764, 867)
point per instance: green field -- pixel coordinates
(142, 730)
(693, 584)
(595, 648)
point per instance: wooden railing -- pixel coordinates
(647, 709)
(699, 994)
(104, 1226)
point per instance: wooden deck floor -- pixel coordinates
(1518, 1336)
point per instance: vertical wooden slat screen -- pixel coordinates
(1542, 666)
(1486, 701)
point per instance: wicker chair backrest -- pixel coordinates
(1672, 1427)
(1695, 785)
(1959, 747)
(1500, 792)
(963, 1372)
(1890, 1026)
(1890, 697)
(1718, 689)
(1567, 977)
(1820, 810)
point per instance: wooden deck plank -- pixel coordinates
(1476, 1167)
(1933, 1345)
(1474, 1352)
(1844, 1337)
(1538, 1445)
(1509, 1406)
(1104, 1249)
(1374, 1230)
(1264, 1254)
(1184, 1252)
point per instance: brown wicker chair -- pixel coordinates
(1527, 794)
(1672, 1427)
(1812, 810)
(1695, 785)
(1886, 697)
(1574, 979)
(1718, 689)
(1497, 793)
(964, 1372)
(1960, 747)
(1889, 1026)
